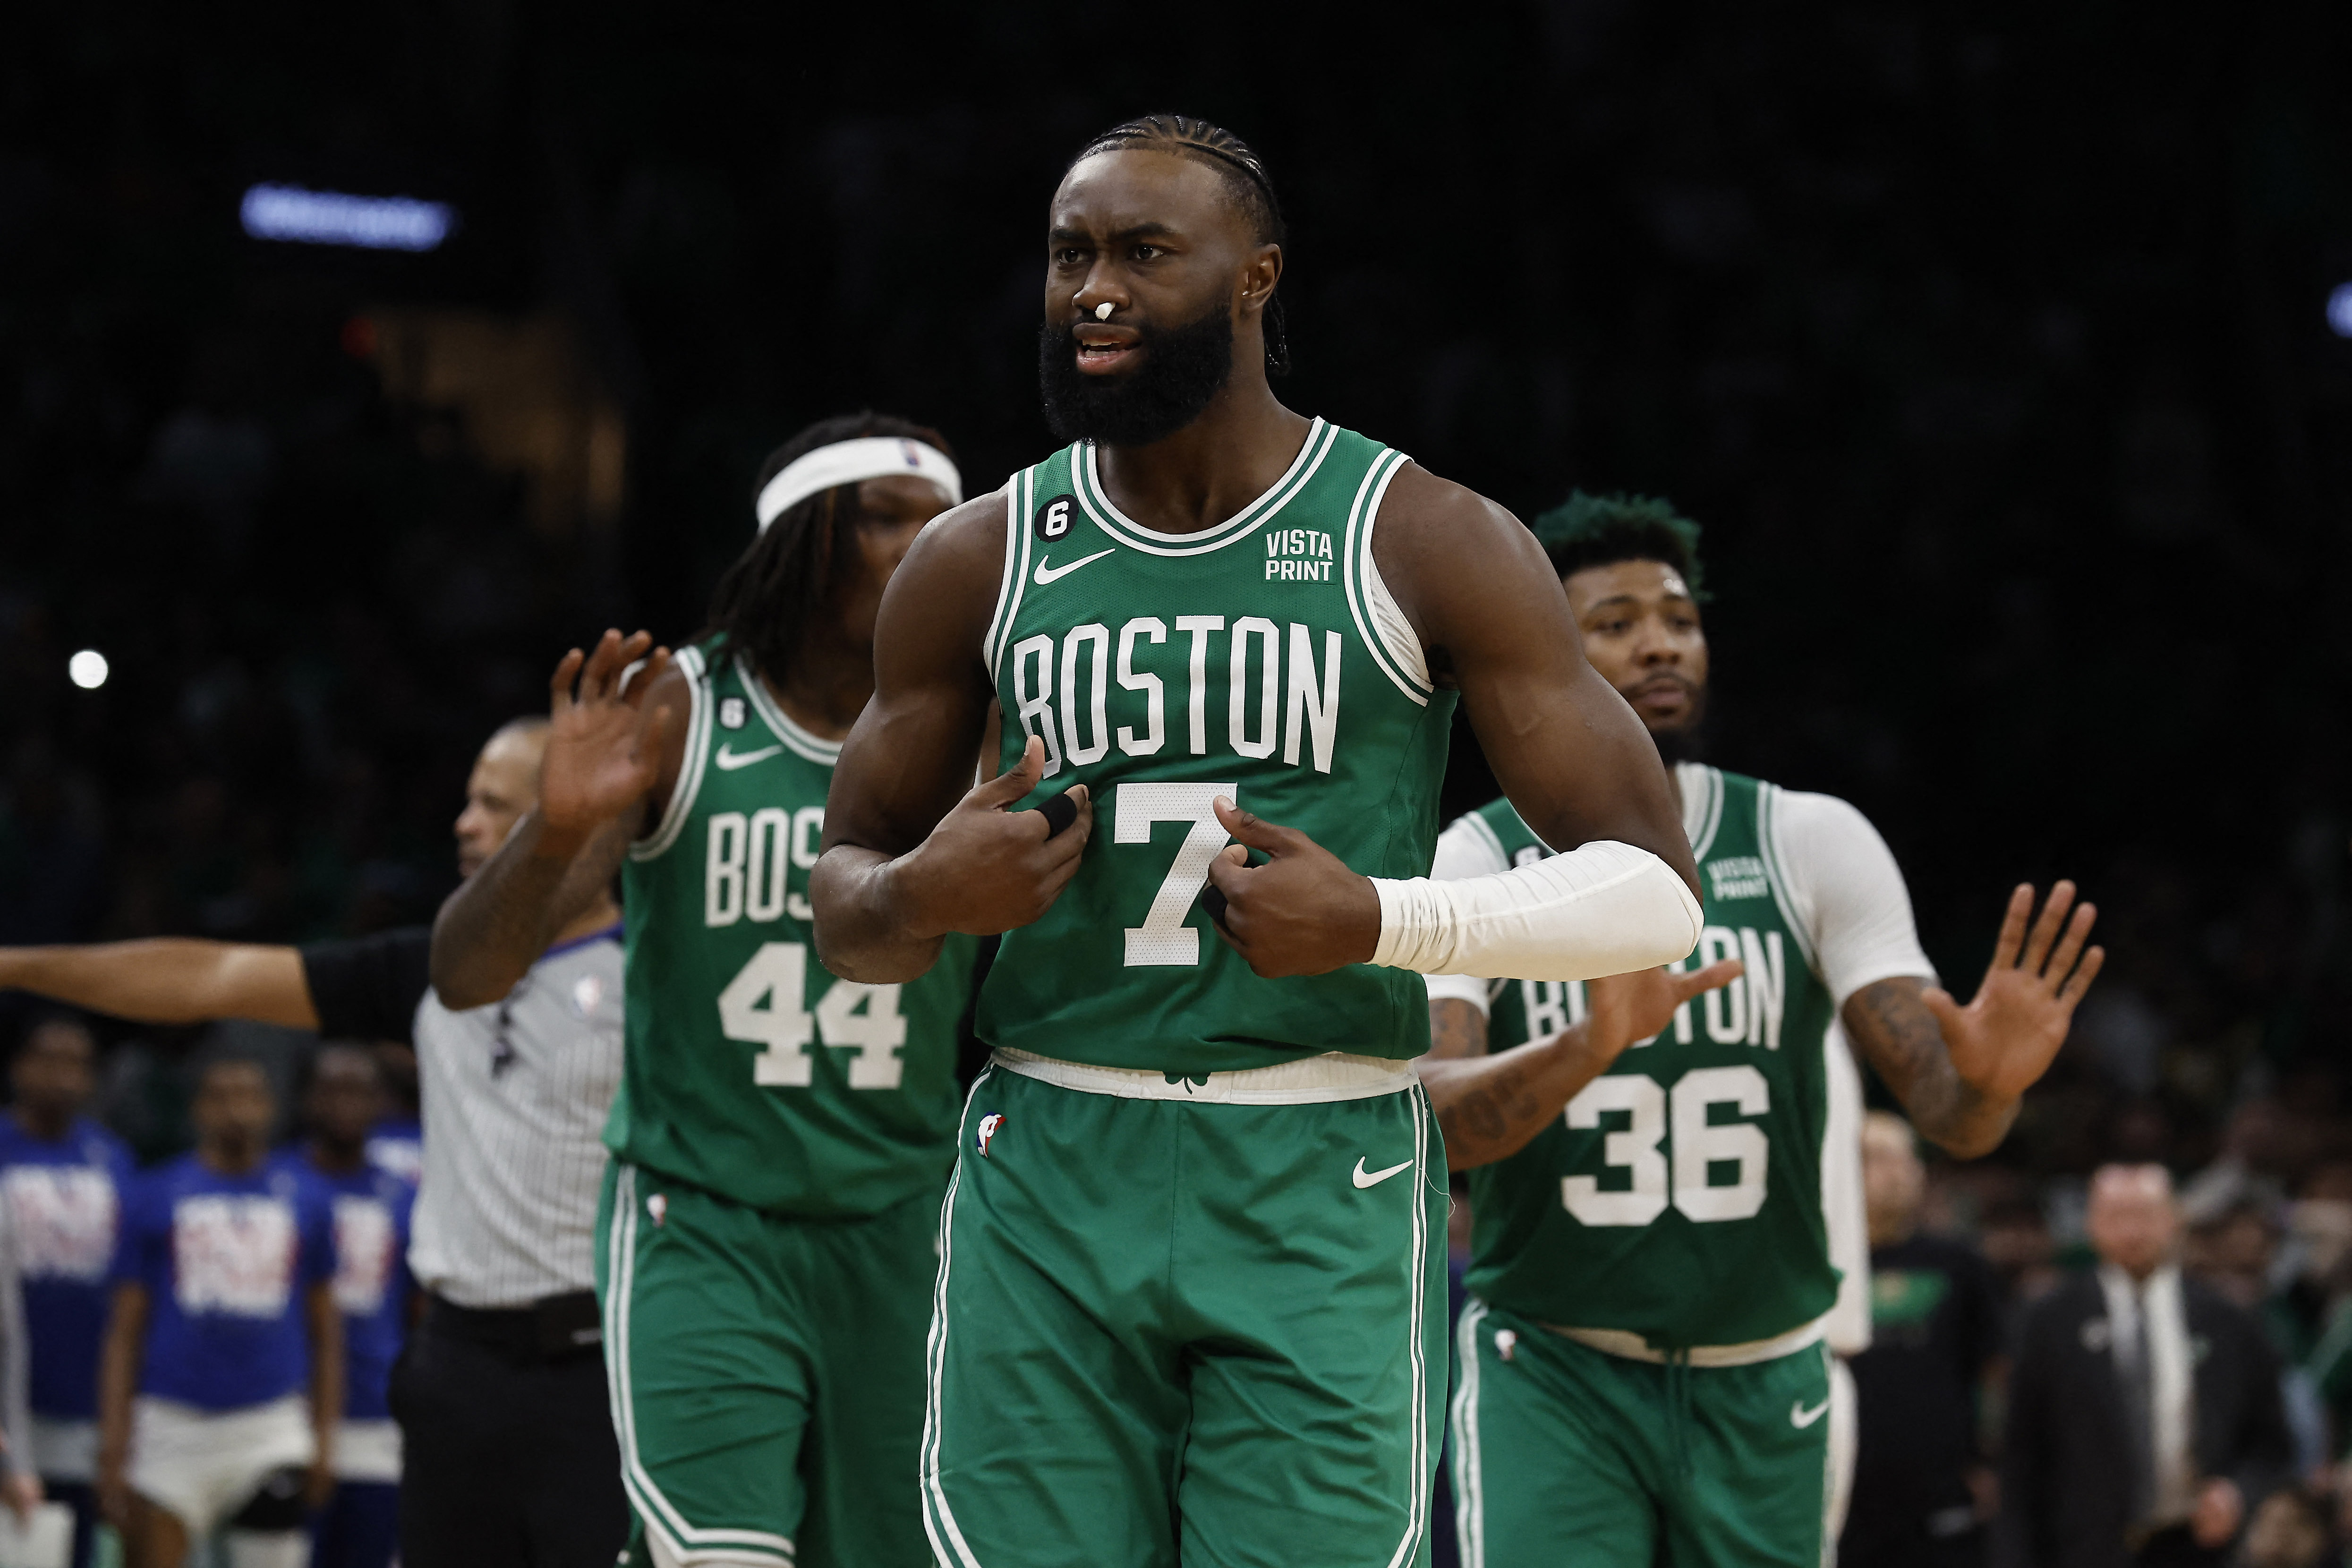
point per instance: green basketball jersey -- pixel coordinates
(1261, 660)
(750, 1071)
(1680, 1196)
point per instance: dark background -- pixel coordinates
(1987, 343)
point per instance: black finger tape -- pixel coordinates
(1059, 811)
(1214, 902)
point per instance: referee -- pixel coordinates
(500, 1394)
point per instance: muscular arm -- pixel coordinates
(1890, 1025)
(1570, 754)
(168, 980)
(912, 851)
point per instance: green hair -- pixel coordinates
(1600, 530)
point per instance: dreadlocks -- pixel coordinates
(1246, 181)
(1600, 530)
(766, 601)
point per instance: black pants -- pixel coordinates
(507, 1455)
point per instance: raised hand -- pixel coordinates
(1302, 912)
(603, 752)
(1622, 1008)
(987, 869)
(2003, 1040)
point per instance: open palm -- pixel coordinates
(603, 751)
(2003, 1040)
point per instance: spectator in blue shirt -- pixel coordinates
(62, 1177)
(223, 1313)
(342, 1105)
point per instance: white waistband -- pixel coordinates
(1307, 1082)
(1633, 1347)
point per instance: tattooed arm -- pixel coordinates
(1959, 1071)
(615, 745)
(1488, 1107)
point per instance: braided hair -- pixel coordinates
(766, 602)
(1246, 181)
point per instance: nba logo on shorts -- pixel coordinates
(990, 1125)
(731, 712)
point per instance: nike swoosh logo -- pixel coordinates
(1055, 573)
(728, 760)
(1800, 1417)
(1374, 1178)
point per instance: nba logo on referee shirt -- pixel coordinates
(731, 712)
(990, 1125)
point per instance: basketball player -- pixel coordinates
(1192, 1291)
(1642, 1375)
(781, 1138)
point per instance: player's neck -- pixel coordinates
(828, 686)
(601, 915)
(1242, 443)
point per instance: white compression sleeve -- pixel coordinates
(1604, 909)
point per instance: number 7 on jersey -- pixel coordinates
(1163, 938)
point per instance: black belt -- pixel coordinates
(550, 1329)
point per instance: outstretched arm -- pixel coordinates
(614, 748)
(1960, 1071)
(168, 980)
(912, 851)
(1488, 1107)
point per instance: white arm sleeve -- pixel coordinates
(1465, 849)
(1604, 909)
(1847, 893)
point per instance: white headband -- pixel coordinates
(846, 462)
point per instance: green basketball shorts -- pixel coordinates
(1563, 1454)
(767, 1376)
(1189, 1323)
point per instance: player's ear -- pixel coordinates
(1260, 274)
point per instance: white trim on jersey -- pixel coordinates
(1378, 622)
(800, 741)
(689, 777)
(1702, 791)
(1017, 496)
(1087, 473)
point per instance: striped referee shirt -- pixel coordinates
(513, 1099)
